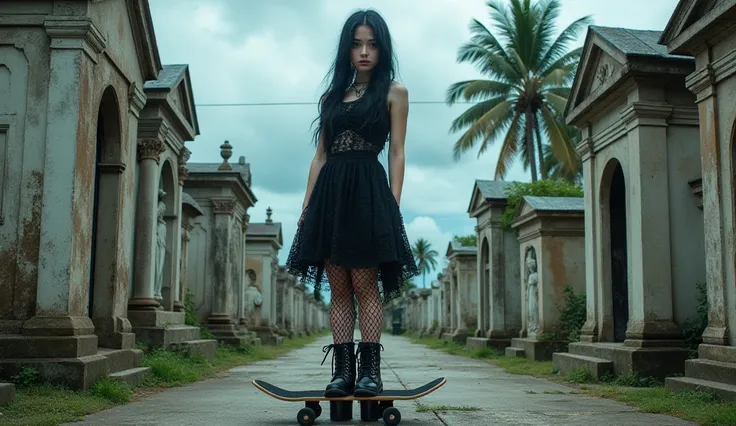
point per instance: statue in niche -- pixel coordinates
(253, 299)
(532, 292)
(160, 246)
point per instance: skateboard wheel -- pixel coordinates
(391, 416)
(306, 417)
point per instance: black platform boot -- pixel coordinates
(343, 369)
(369, 369)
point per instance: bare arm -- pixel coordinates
(398, 99)
(317, 162)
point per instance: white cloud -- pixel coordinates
(278, 51)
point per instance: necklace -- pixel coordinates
(358, 92)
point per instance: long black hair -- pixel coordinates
(375, 98)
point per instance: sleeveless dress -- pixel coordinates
(352, 218)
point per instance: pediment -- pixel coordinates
(476, 200)
(145, 38)
(600, 66)
(173, 90)
(181, 98)
(523, 209)
(690, 18)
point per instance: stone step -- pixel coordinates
(567, 362)
(7, 393)
(514, 352)
(133, 376)
(205, 347)
(160, 337)
(706, 369)
(121, 359)
(724, 391)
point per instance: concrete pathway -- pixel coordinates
(503, 399)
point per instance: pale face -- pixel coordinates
(364, 54)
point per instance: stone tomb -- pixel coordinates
(643, 230)
(499, 300)
(552, 253)
(217, 246)
(262, 263)
(155, 309)
(707, 31)
(462, 272)
(69, 111)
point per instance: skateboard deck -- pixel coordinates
(319, 395)
(341, 408)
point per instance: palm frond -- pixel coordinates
(509, 148)
(560, 45)
(472, 90)
(559, 139)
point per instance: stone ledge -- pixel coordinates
(455, 337)
(19, 346)
(75, 373)
(165, 337)
(205, 347)
(514, 352)
(483, 342)
(596, 367)
(715, 371)
(646, 362)
(7, 393)
(121, 359)
(534, 350)
(133, 376)
(722, 390)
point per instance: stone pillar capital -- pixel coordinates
(701, 83)
(75, 34)
(150, 149)
(225, 206)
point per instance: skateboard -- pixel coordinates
(372, 408)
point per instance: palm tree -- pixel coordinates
(529, 78)
(554, 168)
(425, 256)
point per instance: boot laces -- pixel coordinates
(342, 361)
(369, 369)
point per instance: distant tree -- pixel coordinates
(426, 258)
(467, 240)
(529, 75)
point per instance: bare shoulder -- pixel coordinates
(398, 92)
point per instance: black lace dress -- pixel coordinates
(352, 218)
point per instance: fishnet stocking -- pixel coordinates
(365, 284)
(342, 311)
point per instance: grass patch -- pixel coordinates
(697, 407)
(44, 405)
(644, 393)
(421, 408)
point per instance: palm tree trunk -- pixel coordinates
(424, 279)
(542, 166)
(529, 142)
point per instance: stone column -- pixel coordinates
(717, 208)
(177, 299)
(272, 319)
(223, 210)
(651, 313)
(590, 331)
(186, 229)
(149, 151)
(242, 320)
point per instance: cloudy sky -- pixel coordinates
(255, 51)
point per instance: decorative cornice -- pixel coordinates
(150, 149)
(136, 100)
(187, 224)
(541, 233)
(118, 168)
(223, 206)
(75, 34)
(646, 114)
(702, 82)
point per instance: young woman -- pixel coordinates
(351, 226)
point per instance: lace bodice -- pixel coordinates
(351, 134)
